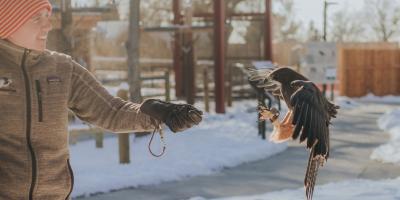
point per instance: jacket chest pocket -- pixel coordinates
(54, 86)
(50, 98)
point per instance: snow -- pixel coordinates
(390, 152)
(356, 189)
(370, 98)
(351, 103)
(359, 189)
(220, 141)
(346, 103)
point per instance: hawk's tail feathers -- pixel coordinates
(311, 174)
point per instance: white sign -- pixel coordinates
(319, 62)
(262, 64)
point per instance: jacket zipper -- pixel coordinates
(39, 98)
(28, 122)
(72, 179)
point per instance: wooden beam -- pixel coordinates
(210, 15)
(268, 31)
(219, 54)
(86, 22)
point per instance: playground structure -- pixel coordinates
(189, 48)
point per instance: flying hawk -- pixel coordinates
(308, 117)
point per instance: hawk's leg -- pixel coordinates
(283, 130)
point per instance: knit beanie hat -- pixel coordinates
(14, 13)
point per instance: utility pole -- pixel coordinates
(66, 26)
(133, 52)
(324, 86)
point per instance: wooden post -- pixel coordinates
(123, 144)
(229, 87)
(268, 31)
(219, 54)
(99, 139)
(123, 138)
(66, 26)
(261, 123)
(167, 86)
(188, 58)
(206, 91)
(73, 137)
(133, 52)
(188, 70)
(177, 53)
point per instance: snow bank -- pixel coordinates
(390, 152)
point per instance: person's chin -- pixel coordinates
(40, 46)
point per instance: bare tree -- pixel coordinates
(285, 20)
(383, 17)
(312, 33)
(347, 27)
(156, 13)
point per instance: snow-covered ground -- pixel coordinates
(220, 141)
(347, 190)
(370, 98)
(354, 189)
(389, 152)
(350, 103)
(346, 103)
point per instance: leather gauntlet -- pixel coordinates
(178, 117)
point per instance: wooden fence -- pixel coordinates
(363, 71)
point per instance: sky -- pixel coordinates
(312, 10)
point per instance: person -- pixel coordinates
(37, 88)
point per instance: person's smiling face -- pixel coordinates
(33, 33)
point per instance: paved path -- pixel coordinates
(353, 138)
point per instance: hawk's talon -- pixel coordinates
(271, 114)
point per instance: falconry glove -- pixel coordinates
(178, 117)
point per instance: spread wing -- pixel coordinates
(276, 81)
(259, 78)
(311, 120)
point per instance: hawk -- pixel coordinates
(308, 118)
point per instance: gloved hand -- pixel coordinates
(178, 117)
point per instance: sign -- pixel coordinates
(319, 62)
(263, 64)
